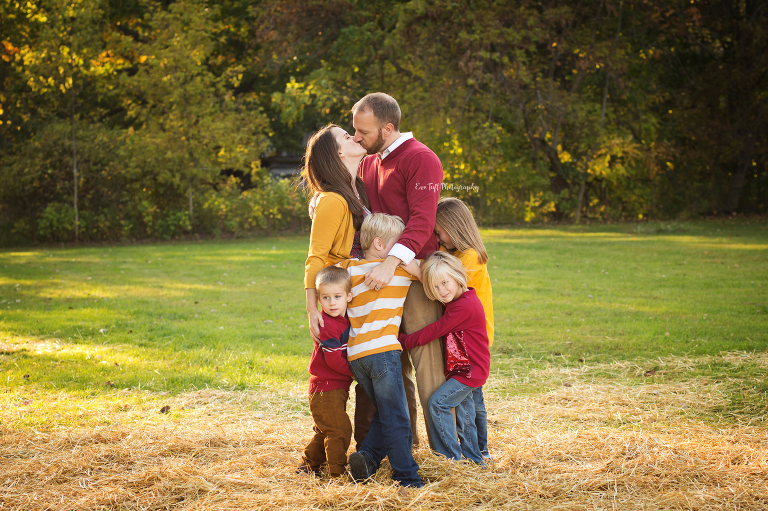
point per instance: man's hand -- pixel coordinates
(381, 274)
(315, 323)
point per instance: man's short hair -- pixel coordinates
(334, 276)
(436, 266)
(380, 225)
(384, 108)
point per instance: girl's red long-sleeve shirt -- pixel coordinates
(407, 183)
(328, 367)
(464, 314)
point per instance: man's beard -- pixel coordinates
(376, 147)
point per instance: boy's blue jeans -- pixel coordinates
(450, 441)
(390, 434)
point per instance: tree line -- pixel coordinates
(128, 119)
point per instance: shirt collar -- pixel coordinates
(394, 145)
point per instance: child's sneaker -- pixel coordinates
(359, 467)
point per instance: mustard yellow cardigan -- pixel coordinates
(331, 238)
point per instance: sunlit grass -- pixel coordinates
(85, 324)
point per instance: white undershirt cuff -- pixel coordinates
(403, 253)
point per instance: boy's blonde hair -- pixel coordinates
(380, 225)
(334, 276)
(456, 219)
(436, 266)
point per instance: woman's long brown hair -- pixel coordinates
(325, 172)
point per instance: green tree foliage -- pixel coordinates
(554, 109)
(156, 120)
(187, 122)
(715, 67)
(539, 109)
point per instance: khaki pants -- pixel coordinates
(418, 312)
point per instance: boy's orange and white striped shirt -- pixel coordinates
(374, 316)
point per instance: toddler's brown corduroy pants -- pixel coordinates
(333, 432)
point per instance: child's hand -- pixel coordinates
(413, 268)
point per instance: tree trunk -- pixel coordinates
(74, 156)
(72, 120)
(737, 185)
(191, 210)
(582, 189)
(557, 183)
(4, 114)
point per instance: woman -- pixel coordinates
(340, 205)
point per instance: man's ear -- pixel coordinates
(387, 130)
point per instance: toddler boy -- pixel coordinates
(330, 378)
(374, 354)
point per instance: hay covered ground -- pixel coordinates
(628, 372)
(588, 444)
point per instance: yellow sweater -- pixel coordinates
(478, 278)
(331, 238)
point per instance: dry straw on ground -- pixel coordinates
(587, 446)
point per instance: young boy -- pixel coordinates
(330, 378)
(374, 354)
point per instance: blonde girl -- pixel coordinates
(467, 360)
(457, 234)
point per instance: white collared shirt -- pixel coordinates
(402, 252)
(394, 145)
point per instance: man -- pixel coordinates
(402, 177)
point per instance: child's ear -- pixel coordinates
(377, 244)
(349, 297)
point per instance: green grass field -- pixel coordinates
(126, 323)
(628, 372)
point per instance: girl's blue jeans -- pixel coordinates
(481, 422)
(450, 441)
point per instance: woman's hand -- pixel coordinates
(315, 324)
(315, 317)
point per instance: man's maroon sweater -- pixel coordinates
(464, 314)
(407, 183)
(328, 367)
